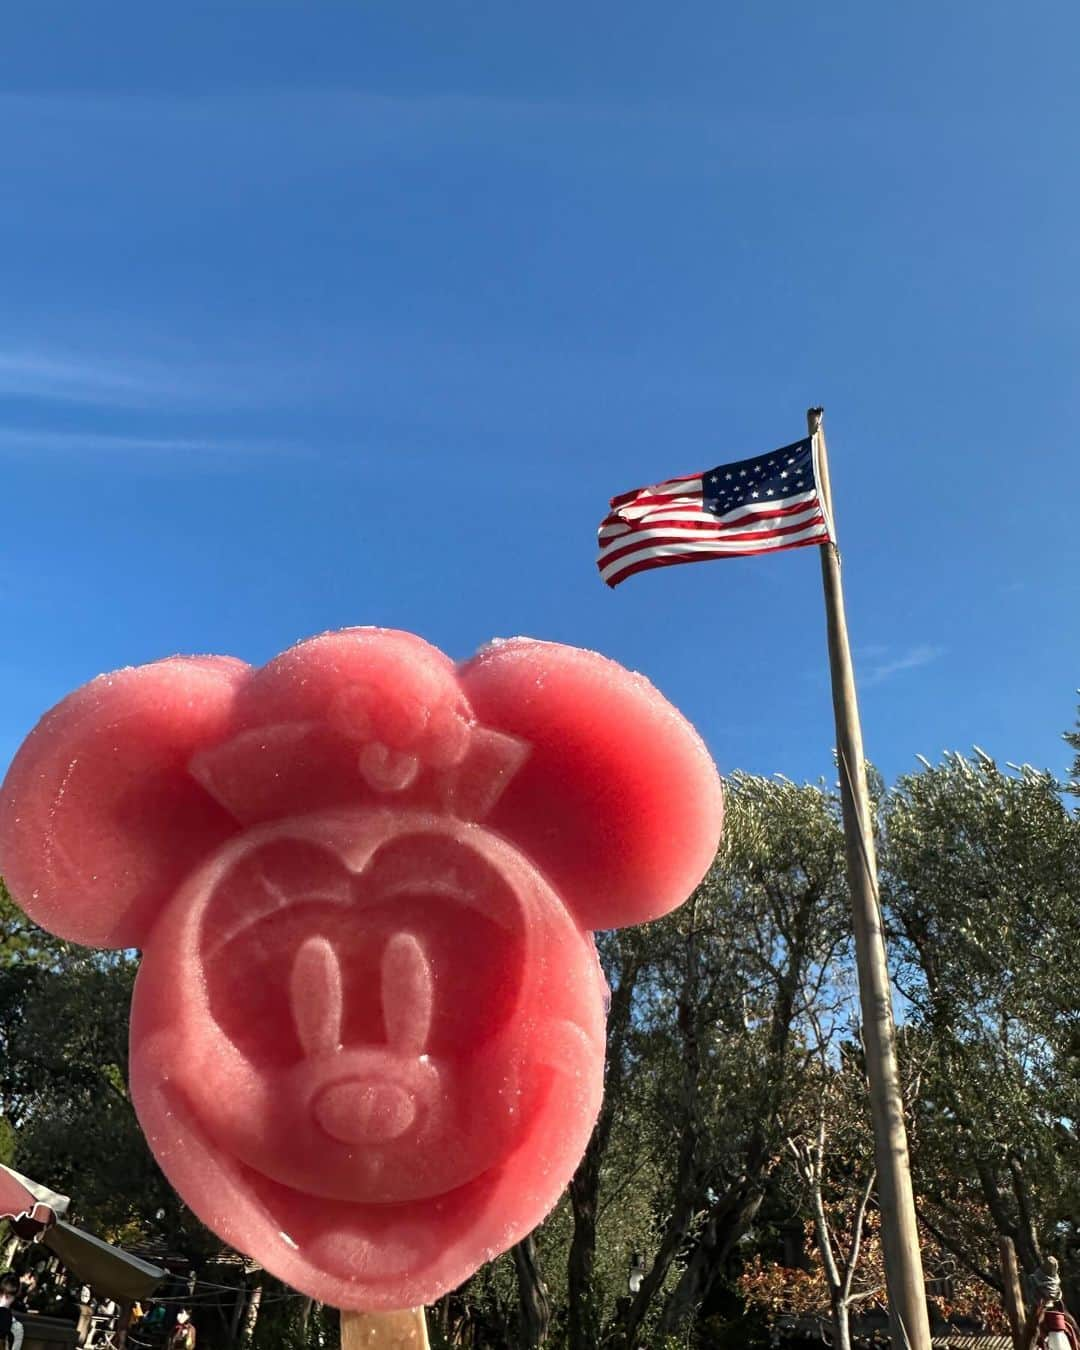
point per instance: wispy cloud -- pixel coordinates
(19, 441)
(883, 667)
(142, 370)
(73, 378)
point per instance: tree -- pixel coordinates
(780, 1290)
(1072, 739)
(834, 1162)
(17, 1080)
(982, 891)
(76, 1127)
(716, 1034)
(27, 956)
(22, 942)
(534, 1301)
(833, 1168)
(624, 956)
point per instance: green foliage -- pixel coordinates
(712, 1064)
(982, 885)
(64, 1035)
(1072, 739)
(748, 1329)
(22, 941)
(287, 1322)
(7, 1141)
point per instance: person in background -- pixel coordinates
(86, 1312)
(35, 1290)
(14, 1291)
(153, 1327)
(129, 1326)
(11, 1329)
(183, 1334)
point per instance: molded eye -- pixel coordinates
(316, 996)
(408, 993)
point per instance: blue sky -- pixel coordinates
(318, 314)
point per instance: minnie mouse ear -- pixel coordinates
(617, 801)
(99, 818)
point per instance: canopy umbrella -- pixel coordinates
(36, 1211)
(106, 1269)
(28, 1207)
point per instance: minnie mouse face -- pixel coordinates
(367, 1035)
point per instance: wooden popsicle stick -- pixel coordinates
(405, 1330)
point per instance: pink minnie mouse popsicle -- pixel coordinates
(367, 1037)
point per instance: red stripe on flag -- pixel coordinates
(657, 488)
(623, 546)
(647, 564)
(706, 519)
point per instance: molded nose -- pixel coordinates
(364, 1112)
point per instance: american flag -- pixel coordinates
(757, 505)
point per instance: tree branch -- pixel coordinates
(856, 1242)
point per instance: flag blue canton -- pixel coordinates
(766, 480)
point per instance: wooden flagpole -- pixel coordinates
(908, 1322)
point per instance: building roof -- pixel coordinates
(941, 1339)
(972, 1340)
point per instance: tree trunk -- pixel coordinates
(688, 1198)
(305, 1316)
(251, 1314)
(583, 1326)
(688, 1181)
(583, 1313)
(730, 1219)
(732, 1214)
(1012, 1294)
(534, 1302)
(1004, 1222)
(239, 1305)
(841, 1325)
